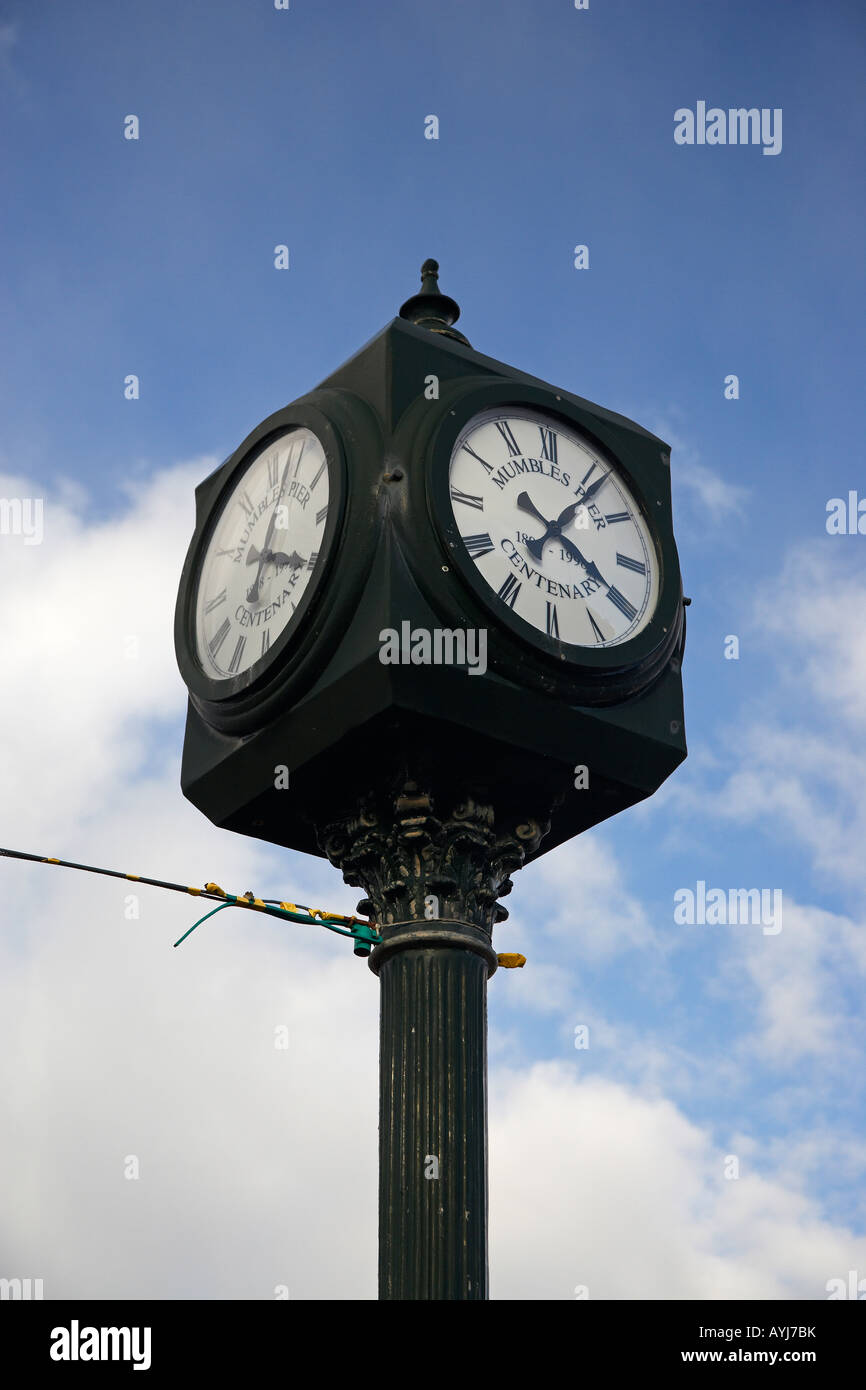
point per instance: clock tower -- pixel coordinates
(445, 597)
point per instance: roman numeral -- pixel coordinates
(244, 500)
(225, 552)
(322, 468)
(320, 515)
(215, 602)
(585, 479)
(219, 637)
(237, 654)
(467, 498)
(509, 591)
(599, 635)
(617, 516)
(552, 620)
(478, 457)
(505, 430)
(311, 563)
(300, 456)
(478, 545)
(627, 609)
(266, 640)
(629, 564)
(548, 444)
(273, 470)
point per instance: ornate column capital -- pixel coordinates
(423, 857)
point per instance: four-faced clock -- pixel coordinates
(505, 506)
(261, 561)
(552, 528)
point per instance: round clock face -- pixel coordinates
(261, 557)
(552, 528)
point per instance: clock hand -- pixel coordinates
(276, 557)
(253, 590)
(568, 515)
(591, 491)
(279, 557)
(295, 561)
(552, 528)
(589, 565)
(526, 504)
(594, 573)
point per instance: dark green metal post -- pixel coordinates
(433, 1110)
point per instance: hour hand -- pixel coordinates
(535, 547)
(279, 557)
(526, 504)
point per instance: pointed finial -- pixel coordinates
(432, 309)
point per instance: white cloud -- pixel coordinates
(258, 1165)
(89, 616)
(798, 785)
(718, 499)
(816, 611)
(114, 1044)
(595, 1185)
(801, 977)
(576, 894)
(795, 752)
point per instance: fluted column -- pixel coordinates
(433, 874)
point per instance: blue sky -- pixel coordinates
(155, 257)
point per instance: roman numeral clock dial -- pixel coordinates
(261, 557)
(553, 529)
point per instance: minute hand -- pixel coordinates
(589, 565)
(253, 591)
(591, 491)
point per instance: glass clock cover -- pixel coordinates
(262, 554)
(552, 528)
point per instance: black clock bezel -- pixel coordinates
(236, 695)
(642, 656)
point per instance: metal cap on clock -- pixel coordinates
(432, 309)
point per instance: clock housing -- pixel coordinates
(344, 721)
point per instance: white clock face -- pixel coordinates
(261, 554)
(552, 528)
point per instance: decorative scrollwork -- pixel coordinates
(407, 849)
